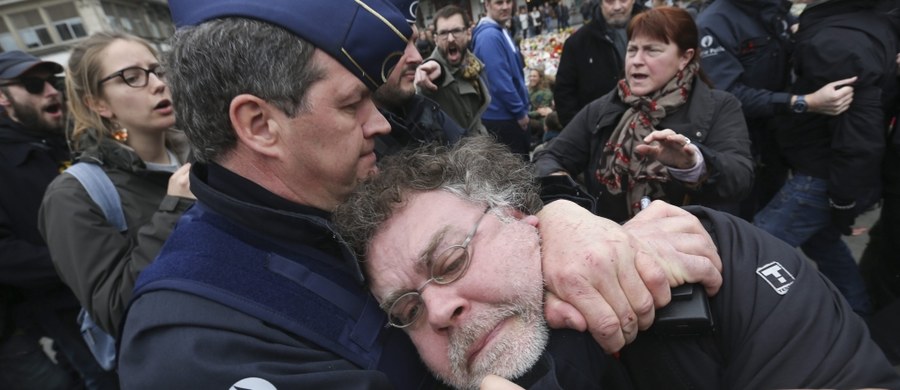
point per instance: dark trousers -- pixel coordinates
(770, 171)
(510, 134)
(25, 366)
(880, 262)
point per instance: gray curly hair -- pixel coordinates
(476, 169)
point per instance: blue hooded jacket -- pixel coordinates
(504, 70)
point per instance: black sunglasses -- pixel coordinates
(34, 85)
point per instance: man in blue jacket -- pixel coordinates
(507, 114)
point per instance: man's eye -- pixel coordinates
(405, 312)
(451, 263)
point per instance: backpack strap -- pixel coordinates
(101, 190)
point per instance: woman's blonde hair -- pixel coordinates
(83, 84)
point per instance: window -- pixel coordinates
(7, 41)
(136, 17)
(31, 29)
(67, 21)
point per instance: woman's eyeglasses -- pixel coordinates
(135, 76)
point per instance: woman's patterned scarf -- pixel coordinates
(618, 160)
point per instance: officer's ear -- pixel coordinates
(254, 124)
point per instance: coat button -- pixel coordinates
(699, 134)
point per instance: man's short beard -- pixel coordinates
(30, 118)
(392, 96)
(509, 357)
(618, 23)
(463, 52)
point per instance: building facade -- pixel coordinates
(49, 28)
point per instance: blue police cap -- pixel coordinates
(366, 36)
(409, 9)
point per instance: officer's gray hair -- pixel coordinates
(477, 169)
(214, 62)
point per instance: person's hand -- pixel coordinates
(898, 63)
(180, 184)
(523, 122)
(832, 99)
(609, 273)
(602, 278)
(544, 111)
(590, 275)
(686, 251)
(669, 148)
(493, 382)
(426, 73)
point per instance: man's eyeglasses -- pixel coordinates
(135, 76)
(456, 32)
(450, 265)
(34, 85)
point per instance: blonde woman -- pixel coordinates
(123, 118)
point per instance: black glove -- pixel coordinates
(842, 215)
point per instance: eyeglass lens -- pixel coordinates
(136, 77)
(446, 34)
(139, 77)
(449, 266)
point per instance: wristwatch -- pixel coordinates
(799, 105)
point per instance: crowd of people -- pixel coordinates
(501, 201)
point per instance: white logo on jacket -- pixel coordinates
(706, 49)
(253, 383)
(777, 276)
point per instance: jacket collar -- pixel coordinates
(108, 152)
(253, 207)
(13, 133)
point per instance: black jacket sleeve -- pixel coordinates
(781, 324)
(565, 89)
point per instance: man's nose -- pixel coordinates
(443, 306)
(53, 89)
(376, 124)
